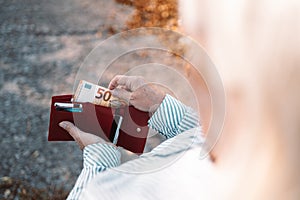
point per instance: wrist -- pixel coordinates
(153, 109)
(155, 106)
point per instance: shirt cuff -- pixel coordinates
(101, 155)
(173, 117)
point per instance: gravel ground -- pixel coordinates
(43, 43)
(42, 46)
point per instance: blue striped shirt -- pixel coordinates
(104, 175)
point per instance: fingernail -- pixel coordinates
(62, 124)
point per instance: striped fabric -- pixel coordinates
(170, 119)
(96, 158)
(173, 117)
(164, 174)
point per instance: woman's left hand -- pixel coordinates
(82, 138)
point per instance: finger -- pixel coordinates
(122, 94)
(82, 138)
(70, 127)
(130, 83)
(115, 82)
(73, 131)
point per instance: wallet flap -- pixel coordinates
(98, 120)
(134, 129)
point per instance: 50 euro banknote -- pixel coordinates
(89, 92)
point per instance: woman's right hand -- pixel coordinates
(137, 92)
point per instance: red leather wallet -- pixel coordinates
(100, 120)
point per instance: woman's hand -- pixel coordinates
(82, 138)
(137, 92)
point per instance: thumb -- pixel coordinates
(70, 128)
(82, 138)
(122, 94)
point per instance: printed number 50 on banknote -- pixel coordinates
(89, 92)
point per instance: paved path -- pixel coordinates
(42, 44)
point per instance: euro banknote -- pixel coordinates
(90, 92)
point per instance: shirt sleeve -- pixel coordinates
(173, 117)
(96, 158)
